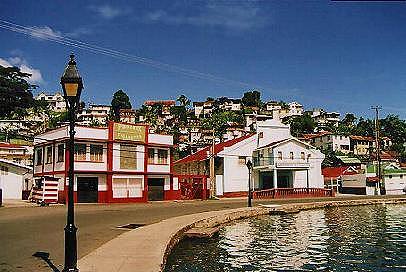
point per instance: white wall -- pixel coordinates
(160, 139)
(12, 183)
(395, 185)
(235, 175)
(235, 178)
(273, 131)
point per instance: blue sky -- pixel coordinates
(342, 56)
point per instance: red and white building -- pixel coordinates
(120, 163)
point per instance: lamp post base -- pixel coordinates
(70, 249)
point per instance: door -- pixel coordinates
(87, 189)
(156, 189)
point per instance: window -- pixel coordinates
(401, 176)
(291, 155)
(241, 160)
(61, 152)
(39, 156)
(127, 187)
(96, 153)
(279, 155)
(162, 156)
(390, 176)
(308, 157)
(80, 152)
(3, 170)
(260, 135)
(128, 156)
(151, 155)
(302, 155)
(49, 154)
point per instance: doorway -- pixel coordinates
(156, 189)
(87, 189)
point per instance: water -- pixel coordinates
(363, 238)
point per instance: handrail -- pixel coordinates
(292, 192)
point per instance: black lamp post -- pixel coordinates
(72, 87)
(249, 166)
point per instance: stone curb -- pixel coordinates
(147, 248)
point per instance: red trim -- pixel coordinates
(159, 145)
(234, 194)
(91, 161)
(109, 177)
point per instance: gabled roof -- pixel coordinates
(273, 144)
(15, 164)
(203, 153)
(335, 172)
(349, 160)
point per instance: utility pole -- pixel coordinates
(377, 146)
(212, 174)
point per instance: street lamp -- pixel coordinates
(249, 166)
(72, 87)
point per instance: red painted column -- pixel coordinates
(109, 176)
(65, 187)
(145, 192)
(204, 179)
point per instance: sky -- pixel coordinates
(337, 55)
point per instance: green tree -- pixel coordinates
(219, 122)
(15, 92)
(349, 120)
(120, 101)
(394, 128)
(365, 127)
(300, 125)
(251, 99)
(183, 100)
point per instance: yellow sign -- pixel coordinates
(129, 132)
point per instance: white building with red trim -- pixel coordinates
(280, 161)
(120, 163)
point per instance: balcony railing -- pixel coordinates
(287, 163)
(293, 193)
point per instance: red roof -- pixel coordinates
(335, 172)
(163, 102)
(315, 135)
(203, 153)
(361, 138)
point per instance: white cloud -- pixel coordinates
(42, 32)
(242, 17)
(108, 12)
(36, 76)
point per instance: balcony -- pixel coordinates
(284, 163)
(288, 163)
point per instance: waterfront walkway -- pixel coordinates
(146, 248)
(26, 230)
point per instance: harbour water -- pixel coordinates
(360, 238)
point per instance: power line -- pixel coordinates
(40, 34)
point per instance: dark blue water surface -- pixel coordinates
(362, 238)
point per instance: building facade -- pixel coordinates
(55, 101)
(94, 114)
(120, 163)
(14, 179)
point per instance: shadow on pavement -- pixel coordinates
(45, 257)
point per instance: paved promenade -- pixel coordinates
(26, 230)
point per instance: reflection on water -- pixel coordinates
(366, 238)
